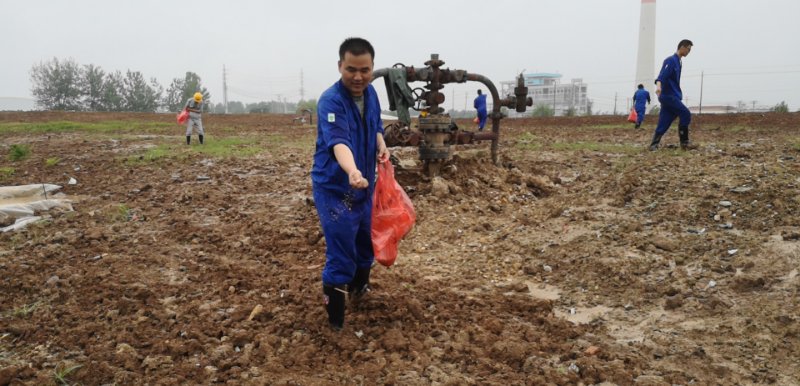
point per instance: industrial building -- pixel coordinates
(547, 89)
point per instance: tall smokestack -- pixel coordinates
(645, 58)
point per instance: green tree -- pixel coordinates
(57, 85)
(589, 108)
(781, 107)
(655, 110)
(542, 111)
(260, 107)
(92, 87)
(571, 112)
(236, 107)
(139, 95)
(173, 99)
(112, 93)
(180, 90)
(310, 105)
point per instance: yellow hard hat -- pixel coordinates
(198, 97)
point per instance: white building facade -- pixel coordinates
(547, 89)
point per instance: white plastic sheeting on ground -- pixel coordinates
(22, 203)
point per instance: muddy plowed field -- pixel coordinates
(579, 258)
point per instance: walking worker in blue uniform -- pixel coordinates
(480, 105)
(349, 143)
(641, 98)
(668, 89)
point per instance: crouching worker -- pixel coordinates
(349, 142)
(195, 107)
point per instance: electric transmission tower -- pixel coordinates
(302, 89)
(225, 88)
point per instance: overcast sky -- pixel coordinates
(747, 49)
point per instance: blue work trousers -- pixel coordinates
(672, 107)
(347, 229)
(640, 114)
(482, 119)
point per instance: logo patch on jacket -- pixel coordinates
(331, 117)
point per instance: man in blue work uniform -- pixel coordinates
(668, 89)
(349, 141)
(480, 105)
(641, 98)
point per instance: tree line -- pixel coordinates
(68, 86)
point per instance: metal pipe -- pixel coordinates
(496, 115)
(379, 73)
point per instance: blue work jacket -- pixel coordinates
(641, 98)
(670, 77)
(339, 121)
(480, 103)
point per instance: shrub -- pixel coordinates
(19, 152)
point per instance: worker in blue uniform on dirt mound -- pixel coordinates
(349, 143)
(480, 105)
(641, 98)
(668, 89)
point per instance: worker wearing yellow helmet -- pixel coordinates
(194, 106)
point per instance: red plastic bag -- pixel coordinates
(183, 116)
(393, 215)
(632, 116)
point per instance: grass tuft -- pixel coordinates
(53, 161)
(24, 311)
(19, 152)
(528, 141)
(123, 213)
(62, 372)
(6, 173)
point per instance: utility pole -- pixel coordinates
(754, 105)
(225, 88)
(279, 100)
(302, 90)
(465, 102)
(453, 101)
(701, 93)
(615, 103)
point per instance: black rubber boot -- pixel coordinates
(656, 141)
(201, 139)
(683, 132)
(360, 284)
(334, 304)
(188, 139)
(637, 126)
